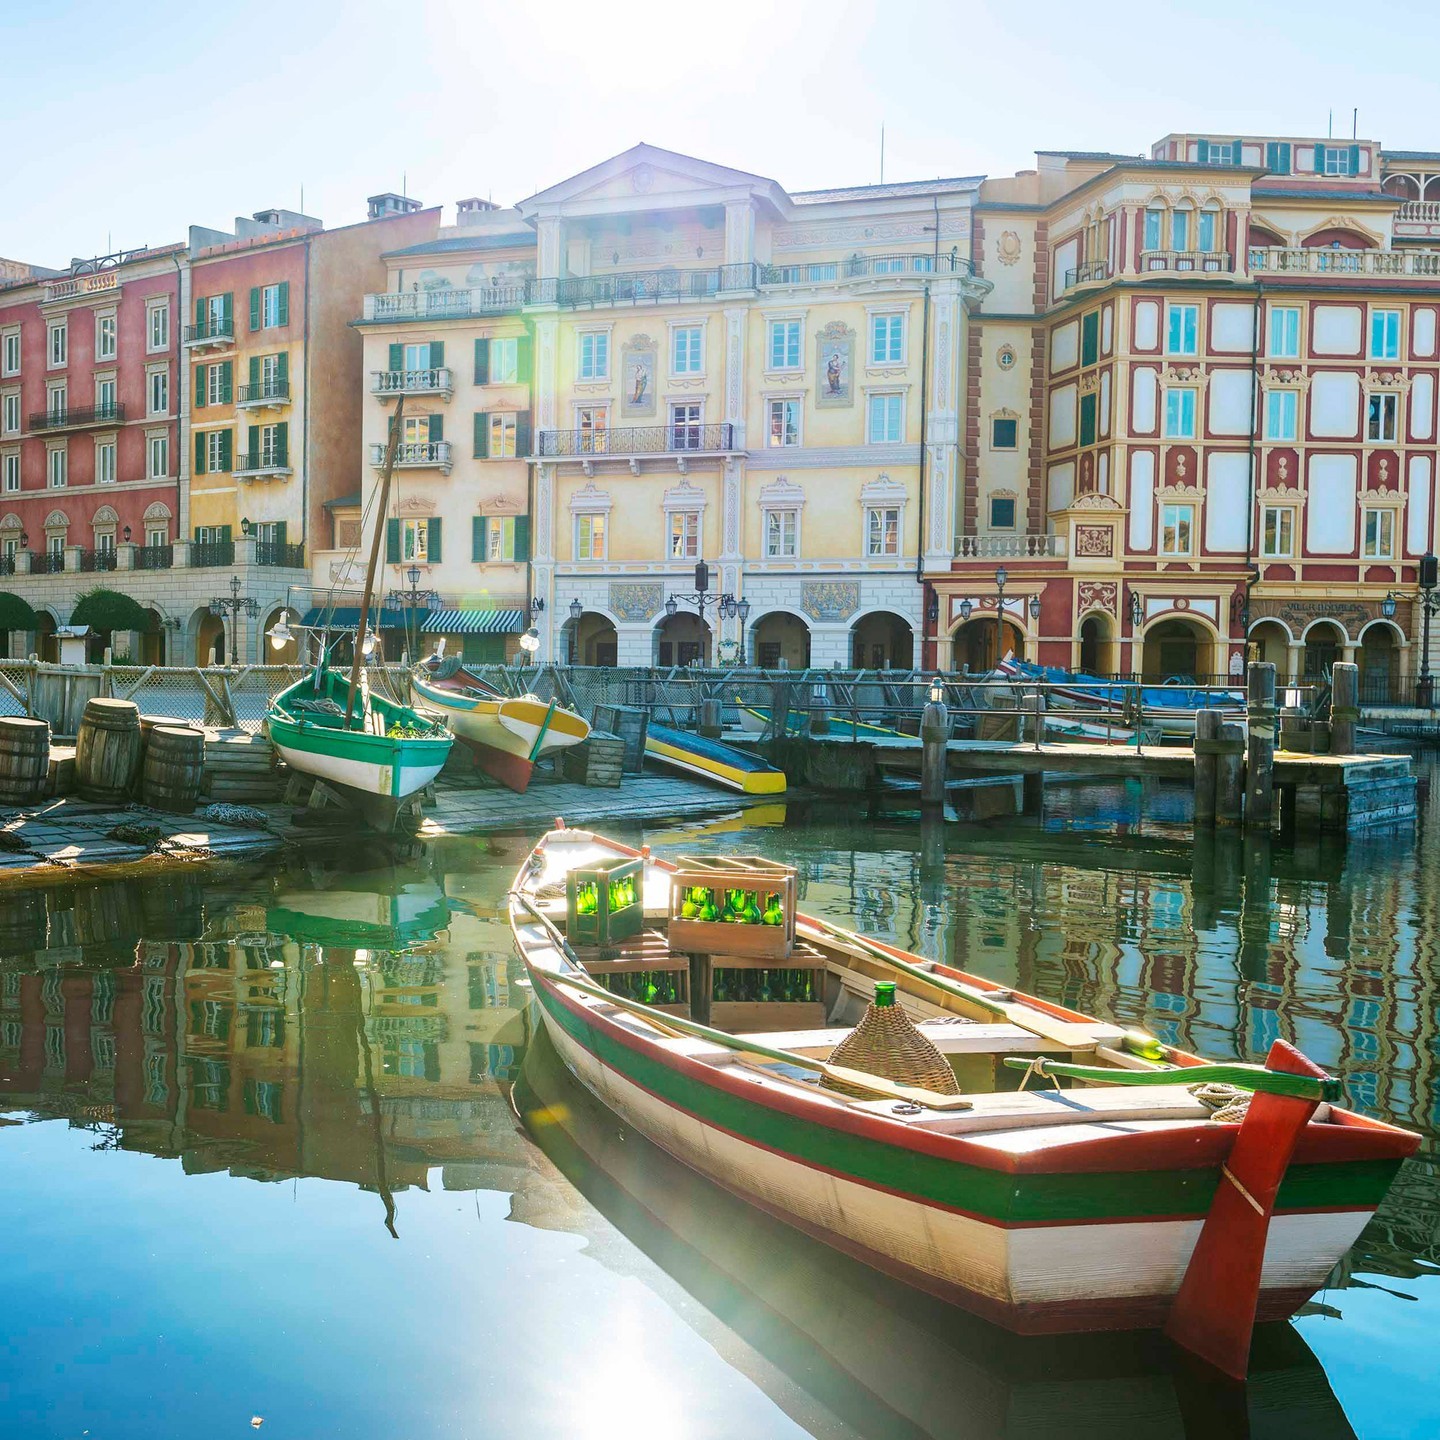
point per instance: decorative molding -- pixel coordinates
(1007, 247)
(829, 600)
(636, 600)
(952, 227)
(1095, 500)
(416, 505)
(882, 490)
(781, 494)
(57, 520)
(800, 457)
(591, 500)
(1094, 542)
(835, 366)
(684, 496)
(1099, 595)
(159, 510)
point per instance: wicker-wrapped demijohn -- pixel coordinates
(887, 1044)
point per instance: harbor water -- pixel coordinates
(283, 1152)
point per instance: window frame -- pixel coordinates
(270, 307)
(10, 343)
(508, 373)
(885, 396)
(1176, 391)
(502, 429)
(1272, 413)
(106, 446)
(1179, 310)
(1389, 348)
(158, 376)
(591, 525)
(683, 526)
(1004, 420)
(1153, 214)
(414, 541)
(895, 337)
(771, 404)
(215, 452)
(777, 357)
(1184, 513)
(889, 534)
(157, 324)
(107, 324)
(781, 514)
(1393, 437)
(57, 331)
(10, 413)
(1383, 519)
(10, 470)
(1284, 517)
(687, 431)
(1009, 500)
(597, 366)
(60, 453)
(694, 348)
(1289, 313)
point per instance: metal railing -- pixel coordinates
(627, 287)
(637, 440)
(72, 417)
(414, 453)
(1208, 262)
(276, 553)
(7, 564)
(154, 557)
(47, 562)
(1086, 271)
(97, 560)
(211, 554)
(434, 381)
(1319, 260)
(209, 330)
(1010, 547)
(265, 390)
(249, 464)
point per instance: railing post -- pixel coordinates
(1207, 732)
(934, 736)
(1229, 777)
(1344, 707)
(1260, 757)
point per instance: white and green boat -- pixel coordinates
(378, 760)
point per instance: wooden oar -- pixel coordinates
(1063, 1033)
(1257, 1078)
(676, 1025)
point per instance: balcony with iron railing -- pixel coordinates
(212, 554)
(1010, 547)
(864, 267)
(1087, 272)
(263, 463)
(47, 562)
(276, 554)
(97, 560)
(629, 442)
(1321, 260)
(1182, 262)
(77, 417)
(212, 333)
(415, 455)
(264, 393)
(7, 565)
(156, 557)
(437, 380)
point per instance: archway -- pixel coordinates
(972, 644)
(152, 640)
(46, 645)
(682, 639)
(780, 636)
(1180, 649)
(1325, 643)
(882, 641)
(288, 653)
(1379, 658)
(1269, 640)
(1097, 645)
(591, 640)
(209, 638)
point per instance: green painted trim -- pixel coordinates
(992, 1195)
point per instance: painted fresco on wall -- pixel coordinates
(834, 364)
(637, 376)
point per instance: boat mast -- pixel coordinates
(380, 517)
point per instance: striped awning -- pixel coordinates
(347, 617)
(473, 622)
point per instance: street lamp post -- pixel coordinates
(235, 605)
(726, 605)
(411, 601)
(1001, 576)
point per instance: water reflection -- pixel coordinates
(357, 1020)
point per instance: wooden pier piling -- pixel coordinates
(934, 737)
(1344, 707)
(1229, 774)
(1207, 732)
(1260, 757)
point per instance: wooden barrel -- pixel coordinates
(24, 759)
(174, 763)
(107, 750)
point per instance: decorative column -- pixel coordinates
(550, 238)
(739, 232)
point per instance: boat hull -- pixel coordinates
(506, 734)
(708, 759)
(1072, 1250)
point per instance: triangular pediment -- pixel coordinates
(648, 177)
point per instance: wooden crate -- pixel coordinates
(723, 878)
(597, 761)
(630, 724)
(615, 888)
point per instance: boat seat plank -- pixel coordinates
(951, 1036)
(1058, 1110)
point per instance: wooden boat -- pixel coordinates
(378, 760)
(507, 733)
(376, 753)
(709, 759)
(755, 720)
(1115, 1203)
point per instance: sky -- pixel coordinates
(129, 124)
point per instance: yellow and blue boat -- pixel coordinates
(726, 765)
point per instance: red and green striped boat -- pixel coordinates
(1045, 1210)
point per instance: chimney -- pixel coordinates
(379, 207)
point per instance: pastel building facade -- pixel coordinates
(1204, 424)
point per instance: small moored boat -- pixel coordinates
(693, 1000)
(709, 759)
(507, 733)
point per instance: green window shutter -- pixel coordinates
(200, 388)
(282, 367)
(1202, 152)
(284, 302)
(522, 360)
(227, 451)
(1087, 419)
(199, 309)
(522, 433)
(279, 532)
(522, 537)
(227, 381)
(397, 357)
(227, 309)
(1354, 159)
(226, 535)
(252, 443)
(392, 542)
(437, 354)
(254, 370)
(432, 541)
(482, 362)
(482, 435)
(199, 453)
(282, 443)
(483, 649)
(437, 428)
(254, 307)
(479, 539)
